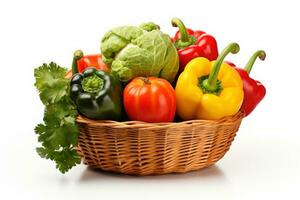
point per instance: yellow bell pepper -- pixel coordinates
(209, 90)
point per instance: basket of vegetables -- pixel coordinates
(148, 104)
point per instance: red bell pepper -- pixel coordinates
(81, 62)
(254, 91)
(192, 44)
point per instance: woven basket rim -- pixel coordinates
(121, 124)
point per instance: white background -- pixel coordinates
(264, 160)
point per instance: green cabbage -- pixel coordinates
(133, 51)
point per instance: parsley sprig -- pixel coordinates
(58, 134)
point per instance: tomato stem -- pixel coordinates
(146, 80)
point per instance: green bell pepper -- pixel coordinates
(97, 94)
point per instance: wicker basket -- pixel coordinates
(140, 148)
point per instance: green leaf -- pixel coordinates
(59, 132)
(40, 129)
(54, 113)
(47, 73)
(51, 83)
(55, 92)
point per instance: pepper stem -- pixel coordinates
(211, 84)
(185, 39)
(261, 54)
(76, 56)
(92, 84)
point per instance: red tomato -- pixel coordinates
(150, 100)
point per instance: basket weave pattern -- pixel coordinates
(140, 148)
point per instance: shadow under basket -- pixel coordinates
(140, 148)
